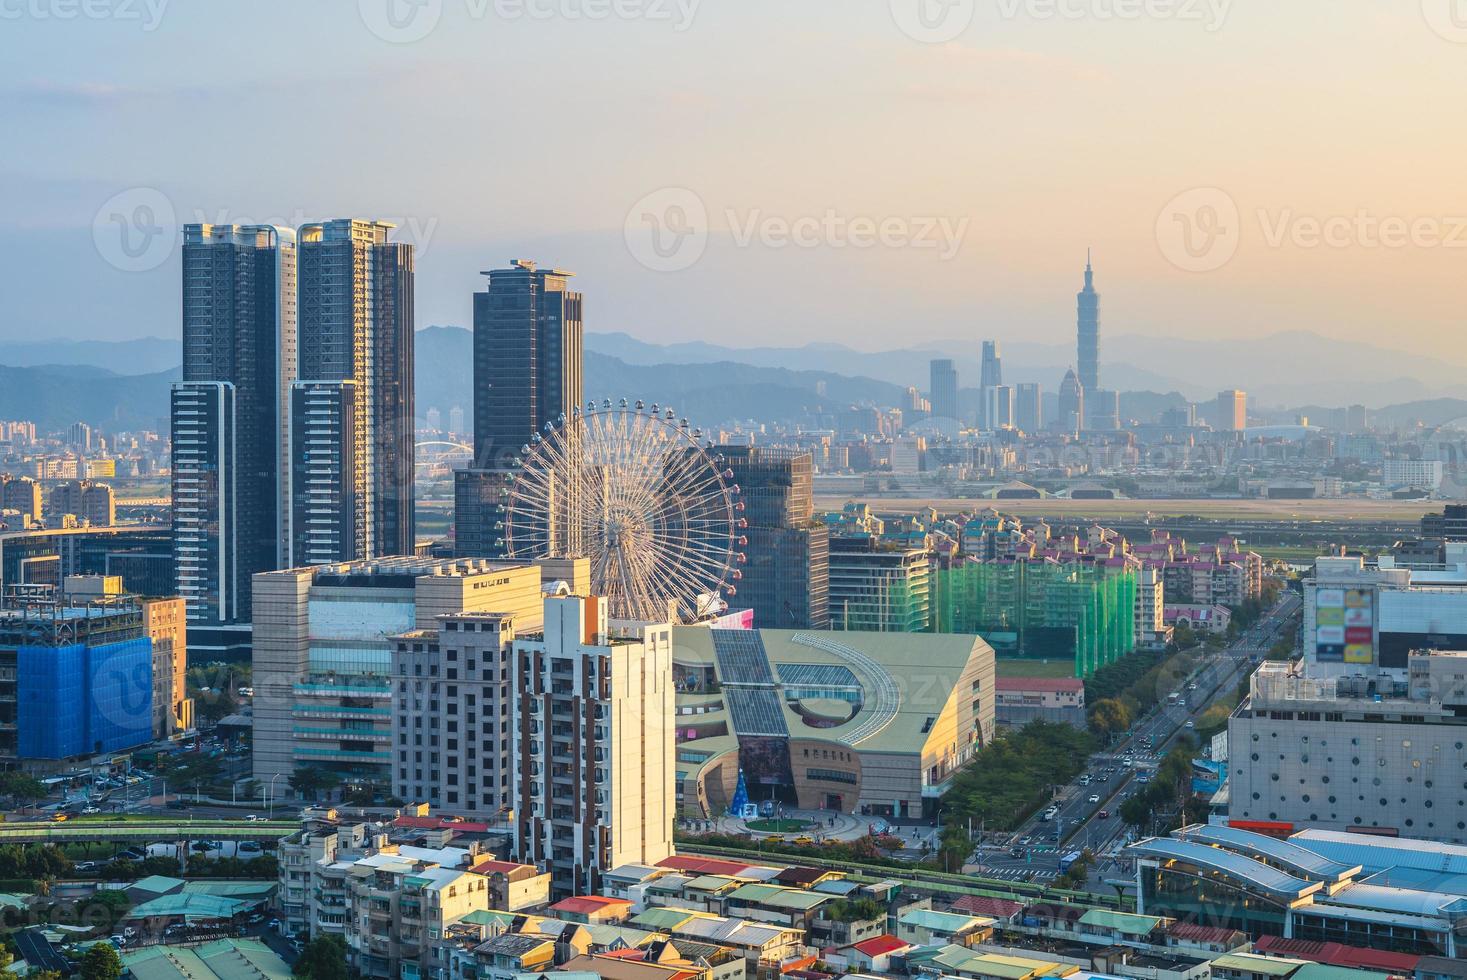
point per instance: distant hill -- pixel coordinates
(55, 396)
(146, 355)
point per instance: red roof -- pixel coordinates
(880, 945)
(703, 866)
(587, 904)
(1338, 954)
(1066, 684)
(1202, 934)
(441, 823)
(993, 908)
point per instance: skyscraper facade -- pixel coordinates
(228, 416)
(1230, 411)
(1089, 331)
(528, 355)
(1071, 404)
(998, 407)
(355, 383)
(992, 365)
(787, 575)
(1028, 410)
(944, 389)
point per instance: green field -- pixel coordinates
(1035, 668)
(778, 826)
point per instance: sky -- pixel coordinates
(878, 173)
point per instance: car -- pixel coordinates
(1094, 798)
(274, 924)
(252, 817)
(1103, 814)
(802, 841)
(89, 810)
(85, 866)
(774, 839)
(178, 804)
(253, 846)
(1191, 725)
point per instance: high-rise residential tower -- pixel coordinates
(230, 471)
(992, 365)
(528, 340)
(1089, 331)
(351, 447)
(787, 575)
(944, 390)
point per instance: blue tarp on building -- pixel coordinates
(79, 700)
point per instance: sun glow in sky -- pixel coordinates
(875, 172)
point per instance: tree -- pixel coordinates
(310, 781)
(101, 962)
(105, 907)
(1109, 716)
(21, 786)
(324, 958)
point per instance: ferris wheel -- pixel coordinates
(633, 490)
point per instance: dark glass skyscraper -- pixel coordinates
(355, 390)
(1089, 331)
(228, 415)
(787, 576)
(944, 393)
(528, 341)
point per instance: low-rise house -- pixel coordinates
(1004, 912)
(872, 955)
(926, 927)
(1194, 938)
(515, 887)
(593, 910)
(1105, 926)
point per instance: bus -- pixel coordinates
(1068, 861)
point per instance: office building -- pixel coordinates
(786, 577)
(944, 390)
(228, 414)
(323, 654)
(90, 503)
(1071, 404)
(1357, 420)
(992, 375)
(141, 555)
(814, 720)
(351, 462)
(76, 677)
(998, 407)
(1415, 474)
(1028, 408)
(1088, 333)
(595, 730)
(878, 588)
(1361, 753)
(22, 495)
(1230, 411)
(528, 355)
(1102, 410)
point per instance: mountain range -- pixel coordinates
(124, 384)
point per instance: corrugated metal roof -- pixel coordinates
(1255, 873)
(1307, 863)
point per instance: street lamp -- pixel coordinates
(271, 796)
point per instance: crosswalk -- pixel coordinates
(1019, 874)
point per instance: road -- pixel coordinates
(1033, 851)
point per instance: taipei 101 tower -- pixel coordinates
(1089, 331)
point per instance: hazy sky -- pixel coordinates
(813, 170)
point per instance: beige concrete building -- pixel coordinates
(593, 728)
(872, 723)
(323, 653)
